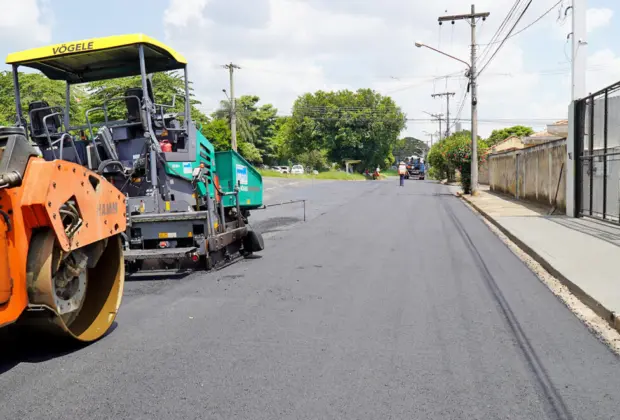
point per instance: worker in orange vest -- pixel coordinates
(402, 171)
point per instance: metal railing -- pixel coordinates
(597, 149)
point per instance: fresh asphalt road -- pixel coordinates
(388, 303)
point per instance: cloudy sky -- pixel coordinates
(288, 47)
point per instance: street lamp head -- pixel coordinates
(419, 44)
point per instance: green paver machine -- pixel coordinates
(185, 203)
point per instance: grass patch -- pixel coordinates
(335, 175)
(389, 172)
(269, 173)
(339, 175)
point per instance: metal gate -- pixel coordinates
(597, 147)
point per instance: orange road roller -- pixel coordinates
(61, 255)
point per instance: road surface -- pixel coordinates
(388, 303)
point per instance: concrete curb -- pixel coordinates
(611, 317)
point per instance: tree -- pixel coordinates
(244, 106)
(264, 120)
(280, 140)
(250, 152)
(347, 125)
(501, 135)
(452, 154)
(439, 166)
(313, 159)
(256, 125)
(166, 86)
(409, 146)
(36, 87)
(217, 131)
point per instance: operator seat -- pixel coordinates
(72, 151)
(39, 110)
(133, 109)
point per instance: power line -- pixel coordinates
(496, 37)
(499, 30)
(462, 103)
(461, 106)
(321, 112)
(506, 38)
(530, 24)
(472, 18)
(544, 72)
(436, 117)
(430, 79)
(447, 95)
(532, 121)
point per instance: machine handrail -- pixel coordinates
(162, 106)
(104, 108)
(118, 98)
(163, 119)
(90, 130)
(106, 122)
(101, 124)
(88, 124)
(61, 140)
(51, 108)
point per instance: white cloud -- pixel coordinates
(603, 69)
(182, 12)
(598, 18)
(25, 22)
(289, 47)
(278, 61)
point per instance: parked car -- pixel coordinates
(284, 170)
(297, 170)
(276, 168)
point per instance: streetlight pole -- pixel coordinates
(472, 18)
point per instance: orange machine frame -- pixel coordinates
(35, 204)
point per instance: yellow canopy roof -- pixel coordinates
(99, 58)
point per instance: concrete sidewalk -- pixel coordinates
(584, 254)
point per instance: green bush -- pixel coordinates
(434, 173)
(453, 154)
(249, 152)
(314, 159)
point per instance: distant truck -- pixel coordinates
(415, 168)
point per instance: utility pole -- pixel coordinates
(438, 117)
(472, 19)
(431, 136)
(233, 110)
(580, 53)
(447, 95)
